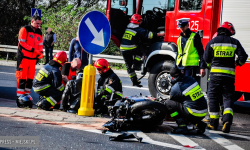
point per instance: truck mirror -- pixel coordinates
(123, 2)
(124, 9)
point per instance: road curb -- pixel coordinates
(8, 107)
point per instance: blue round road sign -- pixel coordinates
(94, 32)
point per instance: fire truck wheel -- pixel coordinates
(159, 79)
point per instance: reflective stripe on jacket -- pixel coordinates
(188, 92)
(189, 56)
(131, 37)
(48, 77)
(220, 53)
(110, 83)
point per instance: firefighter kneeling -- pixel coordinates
(48, 82)
(187, 104)
(109, 86)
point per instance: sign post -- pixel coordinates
(94, 35)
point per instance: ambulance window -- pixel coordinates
(171, 5)
(190, 4)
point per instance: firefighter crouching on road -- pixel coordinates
(109, 86)
(220, 53)
(190, 51)
(30, 49)
(48, 82)
(69, 70)
(187, 103)
(129, 46)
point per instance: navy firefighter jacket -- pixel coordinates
(132, 35)
(188, 92)
(220, 53)
(109, 82)
(49, 76)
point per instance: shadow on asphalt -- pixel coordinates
(8, 92)
(242, 107)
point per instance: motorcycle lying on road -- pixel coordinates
(135, 112)
(140, 113)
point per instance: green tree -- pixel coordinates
(64, 22)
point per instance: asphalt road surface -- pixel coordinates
(58, 137)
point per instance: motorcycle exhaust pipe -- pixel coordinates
(131, 119)
(146, 117)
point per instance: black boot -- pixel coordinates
(17, 102)
(182, 127)
(201, 127)
(207, 119)
(226, 127)
(44, 104)
(136, 82)
(213, 125)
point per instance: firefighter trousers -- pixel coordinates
(177, 111)
(25, 73)
(221, 88)
(132, 57)
(52, 95)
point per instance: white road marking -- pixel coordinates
(133, 87)
(183, 140)
(145, 139)
(222, 141)
(150, 141)
(233, 135)
(7, 73)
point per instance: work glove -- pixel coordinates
(38, 52)
(238, 63)
(40, 56)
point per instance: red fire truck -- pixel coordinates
(161, 15)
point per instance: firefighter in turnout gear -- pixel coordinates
(109, 86)
(30, 49)
(190, 51)
(129, 46)
(187, 103)
(220, 53)
(48, 82)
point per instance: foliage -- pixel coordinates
(63, 16)
(117, 66)
(12, 13)
(64, 22)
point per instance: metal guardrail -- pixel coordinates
(110, 58)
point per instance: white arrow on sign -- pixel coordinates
(98, 40)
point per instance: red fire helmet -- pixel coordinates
(229, 26)
(136, 19)
(60, 57)
(102, 64)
